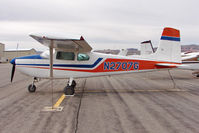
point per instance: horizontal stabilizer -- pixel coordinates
(166, 65)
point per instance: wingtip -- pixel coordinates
(32, 35)
(81, 38)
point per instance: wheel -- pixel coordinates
(197, 75)
(69, 90)
(73, 83)
(31, 88)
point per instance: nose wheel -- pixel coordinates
(32, 88)
(69, 89)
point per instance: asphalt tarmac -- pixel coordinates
(133, 103)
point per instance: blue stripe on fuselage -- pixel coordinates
(69, 65)
(30, 57)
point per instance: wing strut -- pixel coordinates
(51, 67)
(52, 108)
(51, 59)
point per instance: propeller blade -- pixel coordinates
(13, 72)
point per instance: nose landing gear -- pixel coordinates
(32, 88)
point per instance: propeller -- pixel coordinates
(13, 68)
(13, 64)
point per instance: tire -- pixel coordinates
(197, 75)
(31, 88)
(69, 90)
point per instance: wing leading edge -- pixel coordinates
(64, 44)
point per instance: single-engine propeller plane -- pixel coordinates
(72, 58)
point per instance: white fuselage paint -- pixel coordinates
(36, 71)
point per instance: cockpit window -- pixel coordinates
(82, 57)
(65, 55)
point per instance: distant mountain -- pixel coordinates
(108, 51)
(190, 48)
(187, 48)
(133, 51)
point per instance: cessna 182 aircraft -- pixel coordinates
(72, 58)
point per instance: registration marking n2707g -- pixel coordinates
(125, 66)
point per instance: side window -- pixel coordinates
(65, 55)
(82, 57)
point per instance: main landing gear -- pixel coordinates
(32, 88)
(196, 74)
(69, 89)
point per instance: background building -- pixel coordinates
(10, 54)
(7, 55)
(2, 48)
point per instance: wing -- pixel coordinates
(62, 43)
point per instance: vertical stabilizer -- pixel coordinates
(169, 48)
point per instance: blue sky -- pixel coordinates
(113, 24)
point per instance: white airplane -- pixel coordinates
(72, 58)
(146, 48)
(123, 52)
(190, 56)
(190, 60)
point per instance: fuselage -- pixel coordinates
(79, 65)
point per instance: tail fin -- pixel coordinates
(169, 48)
(146, 48)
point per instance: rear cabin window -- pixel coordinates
(82, 57)
(65, 55)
